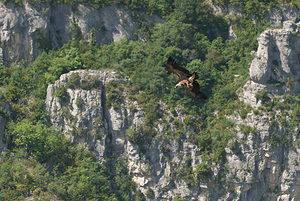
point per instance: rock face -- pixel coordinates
(104, 129)
(26, 30)
(262, 161)
(270, 152)
(275, 16)
(262, 157)
(277, 60)
(80, 112)
(276, 66)
(18, 29)
(256, 168)
(260, 169)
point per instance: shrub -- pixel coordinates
(140, 196)
(136, 136)
(290, 82)
(79, 102)
(233, 145)
(73, 81)
(150, 193)
(178, 198)
(244, 113)
(263, 96)
(114, 94)
(61, 93)
(203, 171)
(43, 41)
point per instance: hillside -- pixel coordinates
(90, 112)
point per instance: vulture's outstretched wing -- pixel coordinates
(186, 79)
(195, 91)
(173, 67)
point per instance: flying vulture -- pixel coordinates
(186, 79)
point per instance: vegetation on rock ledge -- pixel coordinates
(40, 161)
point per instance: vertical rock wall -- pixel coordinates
(25, 31)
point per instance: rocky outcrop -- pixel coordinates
(109, 129)
(79, 109)
(276, 66)
(80, 105)
(277, 60)
(267, 136)
(275, 16)
(28, 29)
(95, 108)
(18, 32)
(263, 164)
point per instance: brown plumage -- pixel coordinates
(186, 79)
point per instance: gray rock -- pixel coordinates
(151, 170)
(259, 170)
(83, 116)
(277, 59)
(19, 29)
(276, 16)
(23, 27)
(273, 169)
(256, 170)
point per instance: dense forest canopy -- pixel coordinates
(41, 163)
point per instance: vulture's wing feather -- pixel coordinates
(195, 91)
(181, 72)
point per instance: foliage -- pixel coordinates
(122, 182)
(191, 34)
(263, 97)
(114, 92)
(49, 166)
(203, 171)
(61, 93)
(20, 175)
(79, 102)
(43, 41)
(73, 81)
(150, 193)
(140, 196)
(178, 198)
(86, 179)
(38, 140)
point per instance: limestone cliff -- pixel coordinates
(271, 150)
(104, 128)
(27, 30)
(82, 114)
(94, 108)
(275, 16)
(276, 66)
